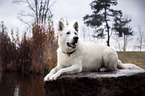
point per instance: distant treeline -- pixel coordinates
(36, 54)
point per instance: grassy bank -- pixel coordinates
(134, 57)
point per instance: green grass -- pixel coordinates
(134, 57)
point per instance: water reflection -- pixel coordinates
(0, 76)
(16, 92)
(16, 84)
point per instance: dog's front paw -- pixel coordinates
(53, 77)
(46, 78)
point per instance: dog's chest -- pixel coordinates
(65, 60)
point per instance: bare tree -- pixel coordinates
(116, 38)
(140, 38)
(122, 44)
(126, 42)
(84, 31)
(39, 10)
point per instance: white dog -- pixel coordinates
(74, 56)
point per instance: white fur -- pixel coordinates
(86, 56)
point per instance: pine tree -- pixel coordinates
(101, 14)
(122, 29)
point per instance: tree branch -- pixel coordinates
(40, 9)
(30, 6)
(36, 12)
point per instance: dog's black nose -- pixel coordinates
(75, 39)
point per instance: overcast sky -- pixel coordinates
(73, 10)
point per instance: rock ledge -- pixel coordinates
(125, 82)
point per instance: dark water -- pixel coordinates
(16, 84)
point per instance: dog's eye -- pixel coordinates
(75, 33)
(68, 33)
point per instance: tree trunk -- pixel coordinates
(108, 40)
(125, 44)
(36, 11)
(140, 40)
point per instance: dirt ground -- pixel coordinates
(134, 57)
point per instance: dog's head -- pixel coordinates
(68, 36)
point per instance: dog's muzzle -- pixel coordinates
(73, 43)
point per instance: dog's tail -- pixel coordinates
(127, 66)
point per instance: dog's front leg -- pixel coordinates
(53, 71)
(68, 70)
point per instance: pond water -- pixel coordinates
(16, 84)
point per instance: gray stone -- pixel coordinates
(125, 82)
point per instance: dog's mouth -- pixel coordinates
(72, 45)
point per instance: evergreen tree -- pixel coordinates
(122, 29)
(101, 14)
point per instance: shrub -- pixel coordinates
(36, 54)
(8, 52)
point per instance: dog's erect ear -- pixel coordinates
(76, 26)
(60, 26)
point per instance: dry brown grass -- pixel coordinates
(134, 57)
(36, 54)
